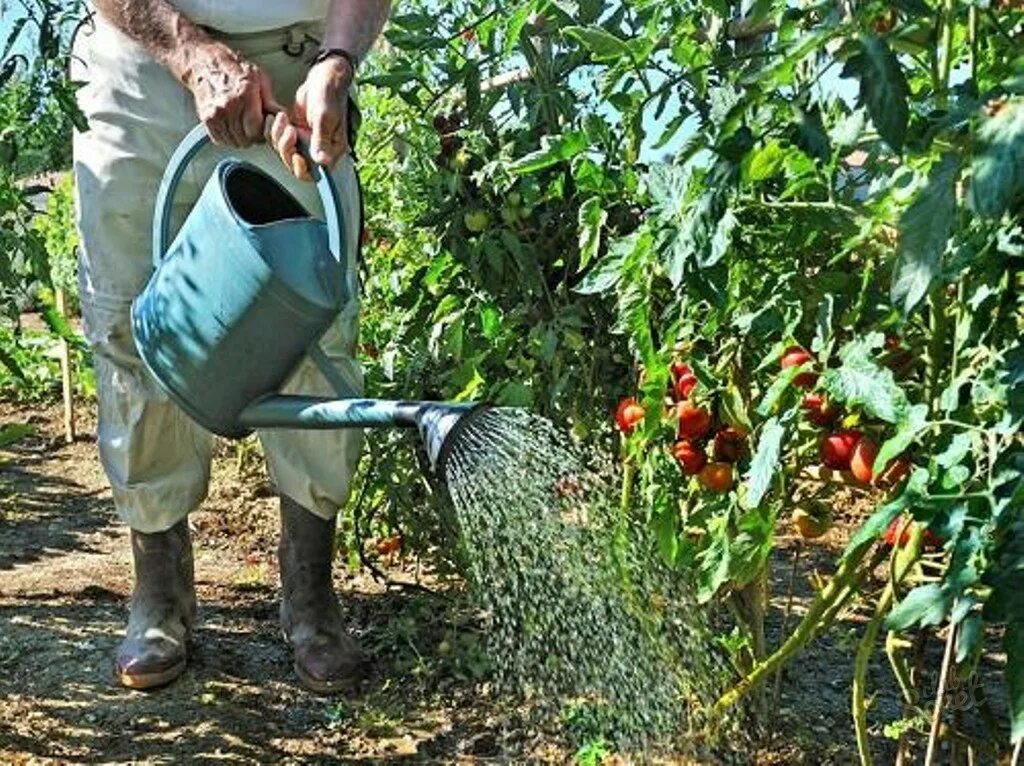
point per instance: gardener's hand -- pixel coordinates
(231, 94)
(319, 117)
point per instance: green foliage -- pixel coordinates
(780, 210)
(37, 246)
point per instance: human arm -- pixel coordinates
(231, 94)
(320, 114)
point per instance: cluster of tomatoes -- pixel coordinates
(841, 449)
(697, 433)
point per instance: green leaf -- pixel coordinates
(721, 240)
(883, 88)
(877, 523)
(861, 382)
(765, 162)
(907, 431)
(608, 271)
(779, 386)
(997, 174)
(959, 448)
(765, 462)
(601, 44)
(924, 605)
(554, 149)
(713, 561)
(925, 227)
(592, 218)
(514, 27)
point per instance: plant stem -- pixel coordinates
(903, 561)
(832, 594)
(940, 693)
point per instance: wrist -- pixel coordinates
(339, 71)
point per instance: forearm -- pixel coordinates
(355, 24)
(164, 31)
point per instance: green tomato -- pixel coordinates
(476, 220)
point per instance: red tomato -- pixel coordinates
(685, 380)
(694, 421)
(794, 356)
(690, 456)
(836, 449)
(716, 477)
(862, 461)
(628, 414)
(818, 409)
(928, 539)
(730, 444)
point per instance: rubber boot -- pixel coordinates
(327, 658)
(163, 608)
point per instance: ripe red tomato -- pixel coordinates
(928, 539)
(836, 449)
(716, 477)
(730, 444)
(628, 414)
(690, 456)
(694, 421)
(819, 410)
(862, 461)
(794, 356)
(685, 380)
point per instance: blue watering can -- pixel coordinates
(244, 293)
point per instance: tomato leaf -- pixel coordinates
(607, 272)
(601, 44)
(765, 462)
(554, 149)
(924, 605)
(592, 218)
(883, 88)
(997, 174)
(861, 382)
(877, 523)
(907, 431)
(924, 231)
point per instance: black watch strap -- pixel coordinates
(326, 53)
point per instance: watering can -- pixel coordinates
(244, 293)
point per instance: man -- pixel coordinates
(153, 68)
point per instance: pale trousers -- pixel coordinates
(156, 458)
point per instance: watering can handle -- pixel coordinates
(196, 139)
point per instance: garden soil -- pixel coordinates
(65, 577)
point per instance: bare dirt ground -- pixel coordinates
(64, 584)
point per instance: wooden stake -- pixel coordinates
(65, 374)
(940, 693)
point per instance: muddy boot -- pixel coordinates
(327, 658)
(162, 610)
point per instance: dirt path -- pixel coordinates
(64, 583)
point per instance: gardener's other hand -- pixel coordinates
(231, 94)
(319, 117)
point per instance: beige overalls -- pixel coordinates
(157, 459)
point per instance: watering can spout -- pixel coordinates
(439, 425)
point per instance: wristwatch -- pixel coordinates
(325, 53)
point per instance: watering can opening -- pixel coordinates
(293, 243)
(256, 198)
